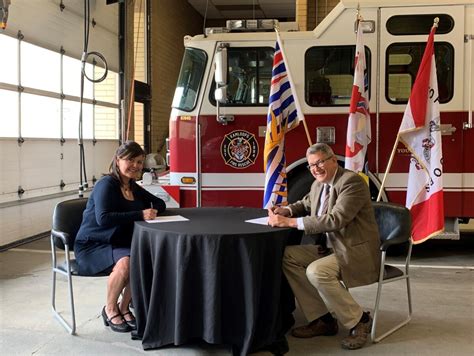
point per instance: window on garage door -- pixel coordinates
(40, 94)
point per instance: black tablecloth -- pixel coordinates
(214, 277)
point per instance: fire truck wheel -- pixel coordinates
(299, 185)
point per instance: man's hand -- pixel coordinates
(280, 220)
(278, 210)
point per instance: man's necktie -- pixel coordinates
(324, 200)
(323, 248)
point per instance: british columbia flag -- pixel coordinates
(283, 116)
(358, 126)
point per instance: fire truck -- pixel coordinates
(218, 118)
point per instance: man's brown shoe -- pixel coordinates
(357, 336)
(316, 328)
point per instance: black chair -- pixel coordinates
(394, 222)
(67, 219)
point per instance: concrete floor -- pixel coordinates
(442, 324)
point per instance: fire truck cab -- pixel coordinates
(218, 120)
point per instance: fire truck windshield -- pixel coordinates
(190, 78)
(249, 74)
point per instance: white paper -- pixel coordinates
(260, 221)
(170, 218)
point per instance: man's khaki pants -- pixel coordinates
(315, 281)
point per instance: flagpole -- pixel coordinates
(297, 102)
(359, 16)
(389, 165)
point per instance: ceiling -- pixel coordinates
(246, 9)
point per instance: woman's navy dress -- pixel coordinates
(106, 231)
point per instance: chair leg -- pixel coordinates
(410, 309)
(376, 310)
(70, 327)
(407, 272)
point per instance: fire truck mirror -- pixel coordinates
(220, 74)
(221, 94)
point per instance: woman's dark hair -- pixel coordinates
(127, 150)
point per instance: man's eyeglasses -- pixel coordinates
(319, 164)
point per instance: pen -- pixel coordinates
(151, 205)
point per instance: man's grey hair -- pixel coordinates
(320, 147)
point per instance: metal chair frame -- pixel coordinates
(67, 217)
(405, 276)
(388, 274)
(65, 271)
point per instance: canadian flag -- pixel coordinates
(421, 134)
(358, 126)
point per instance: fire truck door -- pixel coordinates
(232, 150)
(402, 42)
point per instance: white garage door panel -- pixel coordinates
(97, 160)
(38, 166)
(9, 166)
(41, 170)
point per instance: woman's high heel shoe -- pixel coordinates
(120, 328)
(133, 322)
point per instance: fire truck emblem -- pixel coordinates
(239, 149)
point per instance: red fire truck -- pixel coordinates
(217, 130)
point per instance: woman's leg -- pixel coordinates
(125, 303)
(117, 281)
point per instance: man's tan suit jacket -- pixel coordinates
(349, 223)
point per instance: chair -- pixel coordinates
(67, 219)
(394, 222)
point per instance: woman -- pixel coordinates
(104, 238)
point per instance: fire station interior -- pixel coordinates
(134, 102)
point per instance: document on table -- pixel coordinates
(260, 221)
(170, 218)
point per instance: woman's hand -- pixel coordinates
(149, 214)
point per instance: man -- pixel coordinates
(338, 206)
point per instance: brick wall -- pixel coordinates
(139, 30)
(105, 117)
(309, 13)
(324, 7)
(302, 14)
(170, 22)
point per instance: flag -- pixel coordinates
(358, 134)
(283, 115)
(421, 134)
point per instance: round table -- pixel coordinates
(214, 277)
